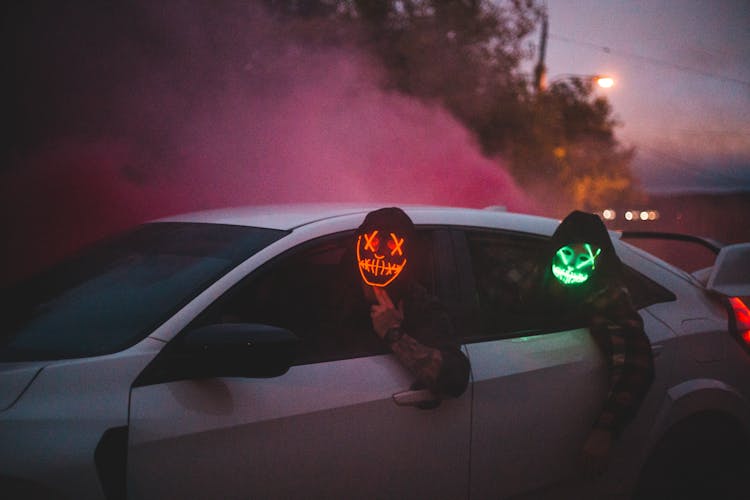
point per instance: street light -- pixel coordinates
(601, 80)
(540, 70)
(605, 82)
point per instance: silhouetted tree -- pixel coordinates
(467, 56)
(569, 150)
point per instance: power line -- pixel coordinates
(650, 60)
(685, 131)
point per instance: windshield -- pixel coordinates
(114, 294)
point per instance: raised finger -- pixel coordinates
(383, 297)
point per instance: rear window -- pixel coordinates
(115, 293)
(644, 291)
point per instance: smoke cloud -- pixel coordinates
(186, 106)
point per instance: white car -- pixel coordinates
(193, 357)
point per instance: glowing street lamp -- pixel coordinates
(605, 82)
(601, 80)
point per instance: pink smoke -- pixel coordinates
(302, 127)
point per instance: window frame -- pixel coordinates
(226, 298)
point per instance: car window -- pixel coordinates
(644, 291)
(314, 291)
(114, 294)
(499, 262)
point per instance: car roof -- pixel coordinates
(292, 216)
(284, 217)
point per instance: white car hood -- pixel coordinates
(14, 379)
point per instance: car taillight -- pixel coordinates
(741, 323)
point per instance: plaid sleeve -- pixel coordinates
(618, 326)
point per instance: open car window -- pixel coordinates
(502, 263)
(314, 291)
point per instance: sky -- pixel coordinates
(683, 82)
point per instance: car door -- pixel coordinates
(536, 391)
(328, 428)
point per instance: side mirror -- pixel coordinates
(224, 350)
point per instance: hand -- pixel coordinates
(383, 314)
(596, 451)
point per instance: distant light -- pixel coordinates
(609, 214)
(653, 215)
(644, 215)
(605, 82)
(629, 215)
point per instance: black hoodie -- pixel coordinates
(603, 304)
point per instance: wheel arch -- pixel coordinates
(703, 424)
(698, 398)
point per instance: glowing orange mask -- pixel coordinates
(380, 256)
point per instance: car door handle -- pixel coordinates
(421, 398)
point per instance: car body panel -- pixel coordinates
(14, 379)
(324, 430)
(535, 399)
(288, 217)
(50, 434)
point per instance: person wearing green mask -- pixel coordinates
(580, 281)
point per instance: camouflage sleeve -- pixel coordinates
(618, 326)
(427, 348)
(424, 362)
(444, 371)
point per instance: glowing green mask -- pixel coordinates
(574, 264)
